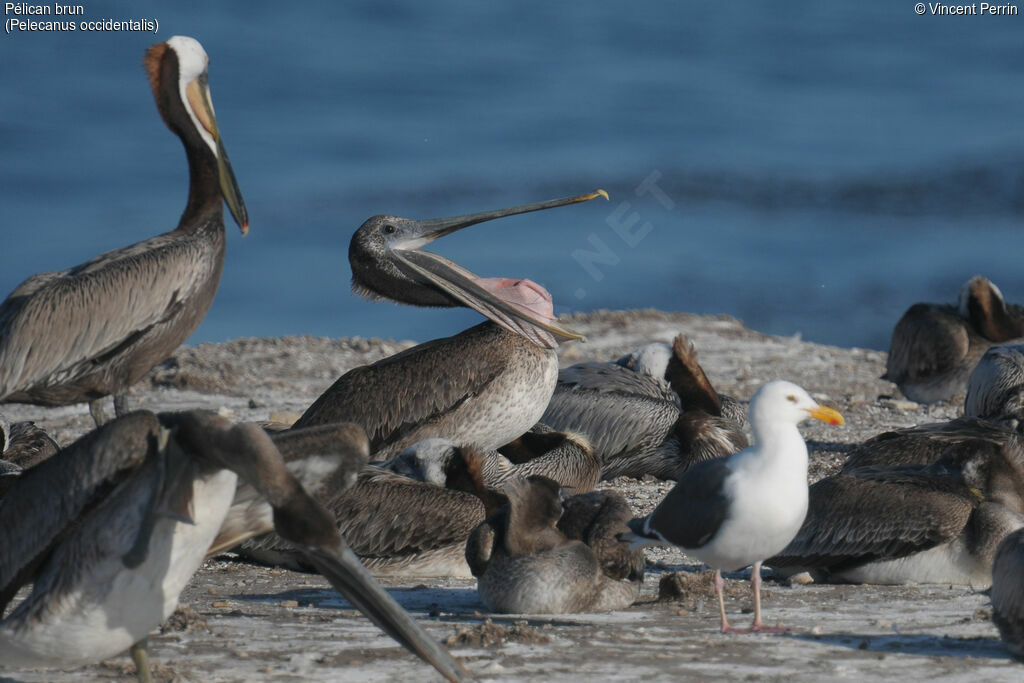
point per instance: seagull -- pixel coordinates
(736, 511)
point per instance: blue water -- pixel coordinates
(826, 164)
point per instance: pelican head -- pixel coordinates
(387, 263)
(178, 76)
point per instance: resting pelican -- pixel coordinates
(410, 516)
(1008, 592)
(653, 411)
(111, 529)
(939, 523)
(81, 334)
(540, 554)
(936, 346)
(482, 387)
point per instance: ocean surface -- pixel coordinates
(812, 168)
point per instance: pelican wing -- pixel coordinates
(56, 327)
(923, 444)
(619, 411)
(50, 498)
(386, 515)
(873, 515)
(392, 396)
(927, 340)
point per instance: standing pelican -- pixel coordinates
(936, 346)
(484, 386)
(95, 329)
(141, 499)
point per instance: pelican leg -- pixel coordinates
(96, 410)
(141, 658)
(121, 404)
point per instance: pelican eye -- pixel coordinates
(389, 229)
(791, 398)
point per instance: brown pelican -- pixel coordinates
(1008, 592)
(483, 387)
(940, 523)
(24, 444)
(736, 511)
(935, 346)
(652, 412)
(923, 444)
(566, 458)
(410, 516)
(140, 501)
(95, 329)
(995, 390)
(535, 556)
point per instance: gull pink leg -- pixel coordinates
(755, 586)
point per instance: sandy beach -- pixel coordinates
(245, 622)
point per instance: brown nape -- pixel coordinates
(534, 507)
(987, 311)
(686, 377)
(151, 63)
(465, 472)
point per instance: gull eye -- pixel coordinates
(390, 229)
(791, 398)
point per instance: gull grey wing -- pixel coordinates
(695, 508)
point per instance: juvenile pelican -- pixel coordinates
(140, 501)
(939, 523)
(412, 515)
(1008, 592)
(483, 387)
(995, 390)
(936, 346)
(651, 412)
(540, 555)
(24, 444)
(737, 511)
(95, 329)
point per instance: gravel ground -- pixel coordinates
(246, 622)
